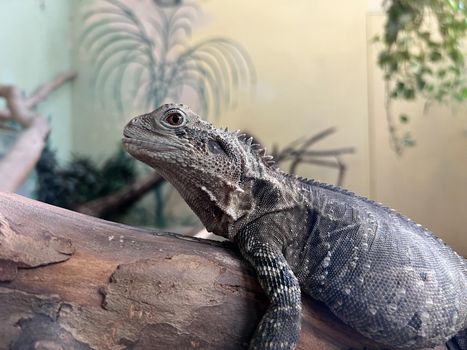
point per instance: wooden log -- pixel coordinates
(71, 281)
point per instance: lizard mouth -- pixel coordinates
(131, 144)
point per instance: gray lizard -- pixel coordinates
(379, 272)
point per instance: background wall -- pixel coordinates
(315, 68)
(311, 65)
(35, 46)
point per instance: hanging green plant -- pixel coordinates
(422, 56)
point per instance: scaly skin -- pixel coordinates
(379, 272)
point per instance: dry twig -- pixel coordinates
(121, 199)
(298, 152)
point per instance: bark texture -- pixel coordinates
(71, 281)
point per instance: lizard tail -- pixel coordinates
(459, 341)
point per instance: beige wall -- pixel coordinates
(311, 67)
(315, 69)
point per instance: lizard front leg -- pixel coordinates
(280, 326)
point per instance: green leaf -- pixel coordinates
(425, 35)
(409, 94)
(404, 118)
(456, 56)
(462, 95)
(420, 83)
(441, 73)
(435, 56)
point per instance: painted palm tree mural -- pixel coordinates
(145, 58)
(149, 61)
(145, 62)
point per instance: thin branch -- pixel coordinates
(41, 93)
(19, 108)
(122, 198)
(298, 152)
(328, 152)
(5, 115)
(308, 143)
(17, 164)
(342, 172)
(16, 106)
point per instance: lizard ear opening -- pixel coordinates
(216, 147)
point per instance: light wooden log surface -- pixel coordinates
(71, 281)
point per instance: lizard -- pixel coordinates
(381, 273)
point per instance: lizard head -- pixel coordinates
(208, 166)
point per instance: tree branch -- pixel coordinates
(18, 163)
(15, 103)
(45, 90)
(122, 198)
(298, 152)
(23, 156)
(103, 286)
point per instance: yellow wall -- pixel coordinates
(311, 68)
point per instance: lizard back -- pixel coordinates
(378, 271)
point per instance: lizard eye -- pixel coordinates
(174, 118)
